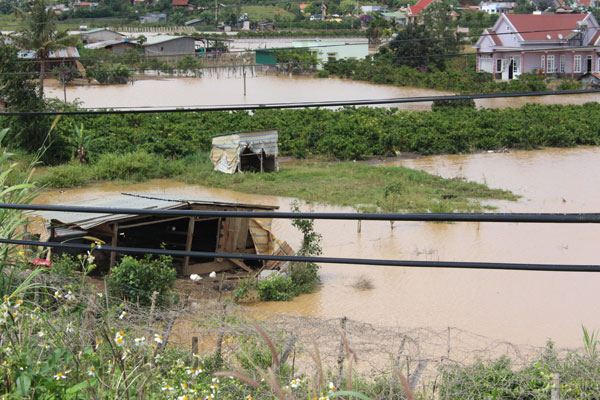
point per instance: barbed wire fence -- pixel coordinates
(448, 363)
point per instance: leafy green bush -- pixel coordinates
(136, 280)
(303, 277)
(442, 104)
(569, 84)
(120, 74)
(276, 288)
(65, 176)
(136, 166)
(65, 265)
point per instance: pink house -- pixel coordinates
(562, 44)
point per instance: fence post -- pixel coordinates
(218, 355)
(195, 350)
(341, 351)
(555, 395)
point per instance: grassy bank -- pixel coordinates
(333, 182)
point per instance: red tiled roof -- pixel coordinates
(538, 27)
(420, 6)
(494, 37)
(180, 2)
(585, 3)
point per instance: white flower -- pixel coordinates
(57, 295)
(123, 315)
(61, 375)
(92, 372)
(40, 334)
(18, 303)
(125, 354)
(69, 328)
(166, 388)
(90, 258)
(139, 340)
(295, 383)
(70, 296)
(158, 338)
(100, 294)
(119, 338)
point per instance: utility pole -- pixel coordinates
(244, 81)
(216, 13)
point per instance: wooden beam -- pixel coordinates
(164, 220)
(188, 243)
(113, 243)
(240, 263)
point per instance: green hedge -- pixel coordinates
(350, 133)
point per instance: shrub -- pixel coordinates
(138, 165)
(442, 104)
(136, 280)
(65, 176)
(276, 288)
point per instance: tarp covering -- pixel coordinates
(265, 242)
(227, 149)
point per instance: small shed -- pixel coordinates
(201, 234)
(245, 151)
(169, 45)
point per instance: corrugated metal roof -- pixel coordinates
(163, 38)
(68, 52)
(244, 132)
(128, 200)
(106, 43)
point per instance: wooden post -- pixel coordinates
(555, 395)
(195, 350)
(113, 243)
(244, 82)
(188, 243)
(341, 351)
(261, 161)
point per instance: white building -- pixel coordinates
(494, 7)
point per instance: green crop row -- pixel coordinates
(349, 133)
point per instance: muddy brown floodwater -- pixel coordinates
(519, 307)
(227, 88)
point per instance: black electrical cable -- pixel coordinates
(323, 260)
(426, 217)
(276, 106)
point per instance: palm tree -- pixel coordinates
(38, 33)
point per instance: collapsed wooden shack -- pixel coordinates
(202, 234)
(245, 151)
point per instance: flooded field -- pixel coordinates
(519, 307)
(226, 87)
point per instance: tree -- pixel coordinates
(348, 7)
(429, 42)
(376, 29)
(524, 7)
(38, 33)
(21, 93)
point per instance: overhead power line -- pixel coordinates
(322, 260)
(275, 106)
